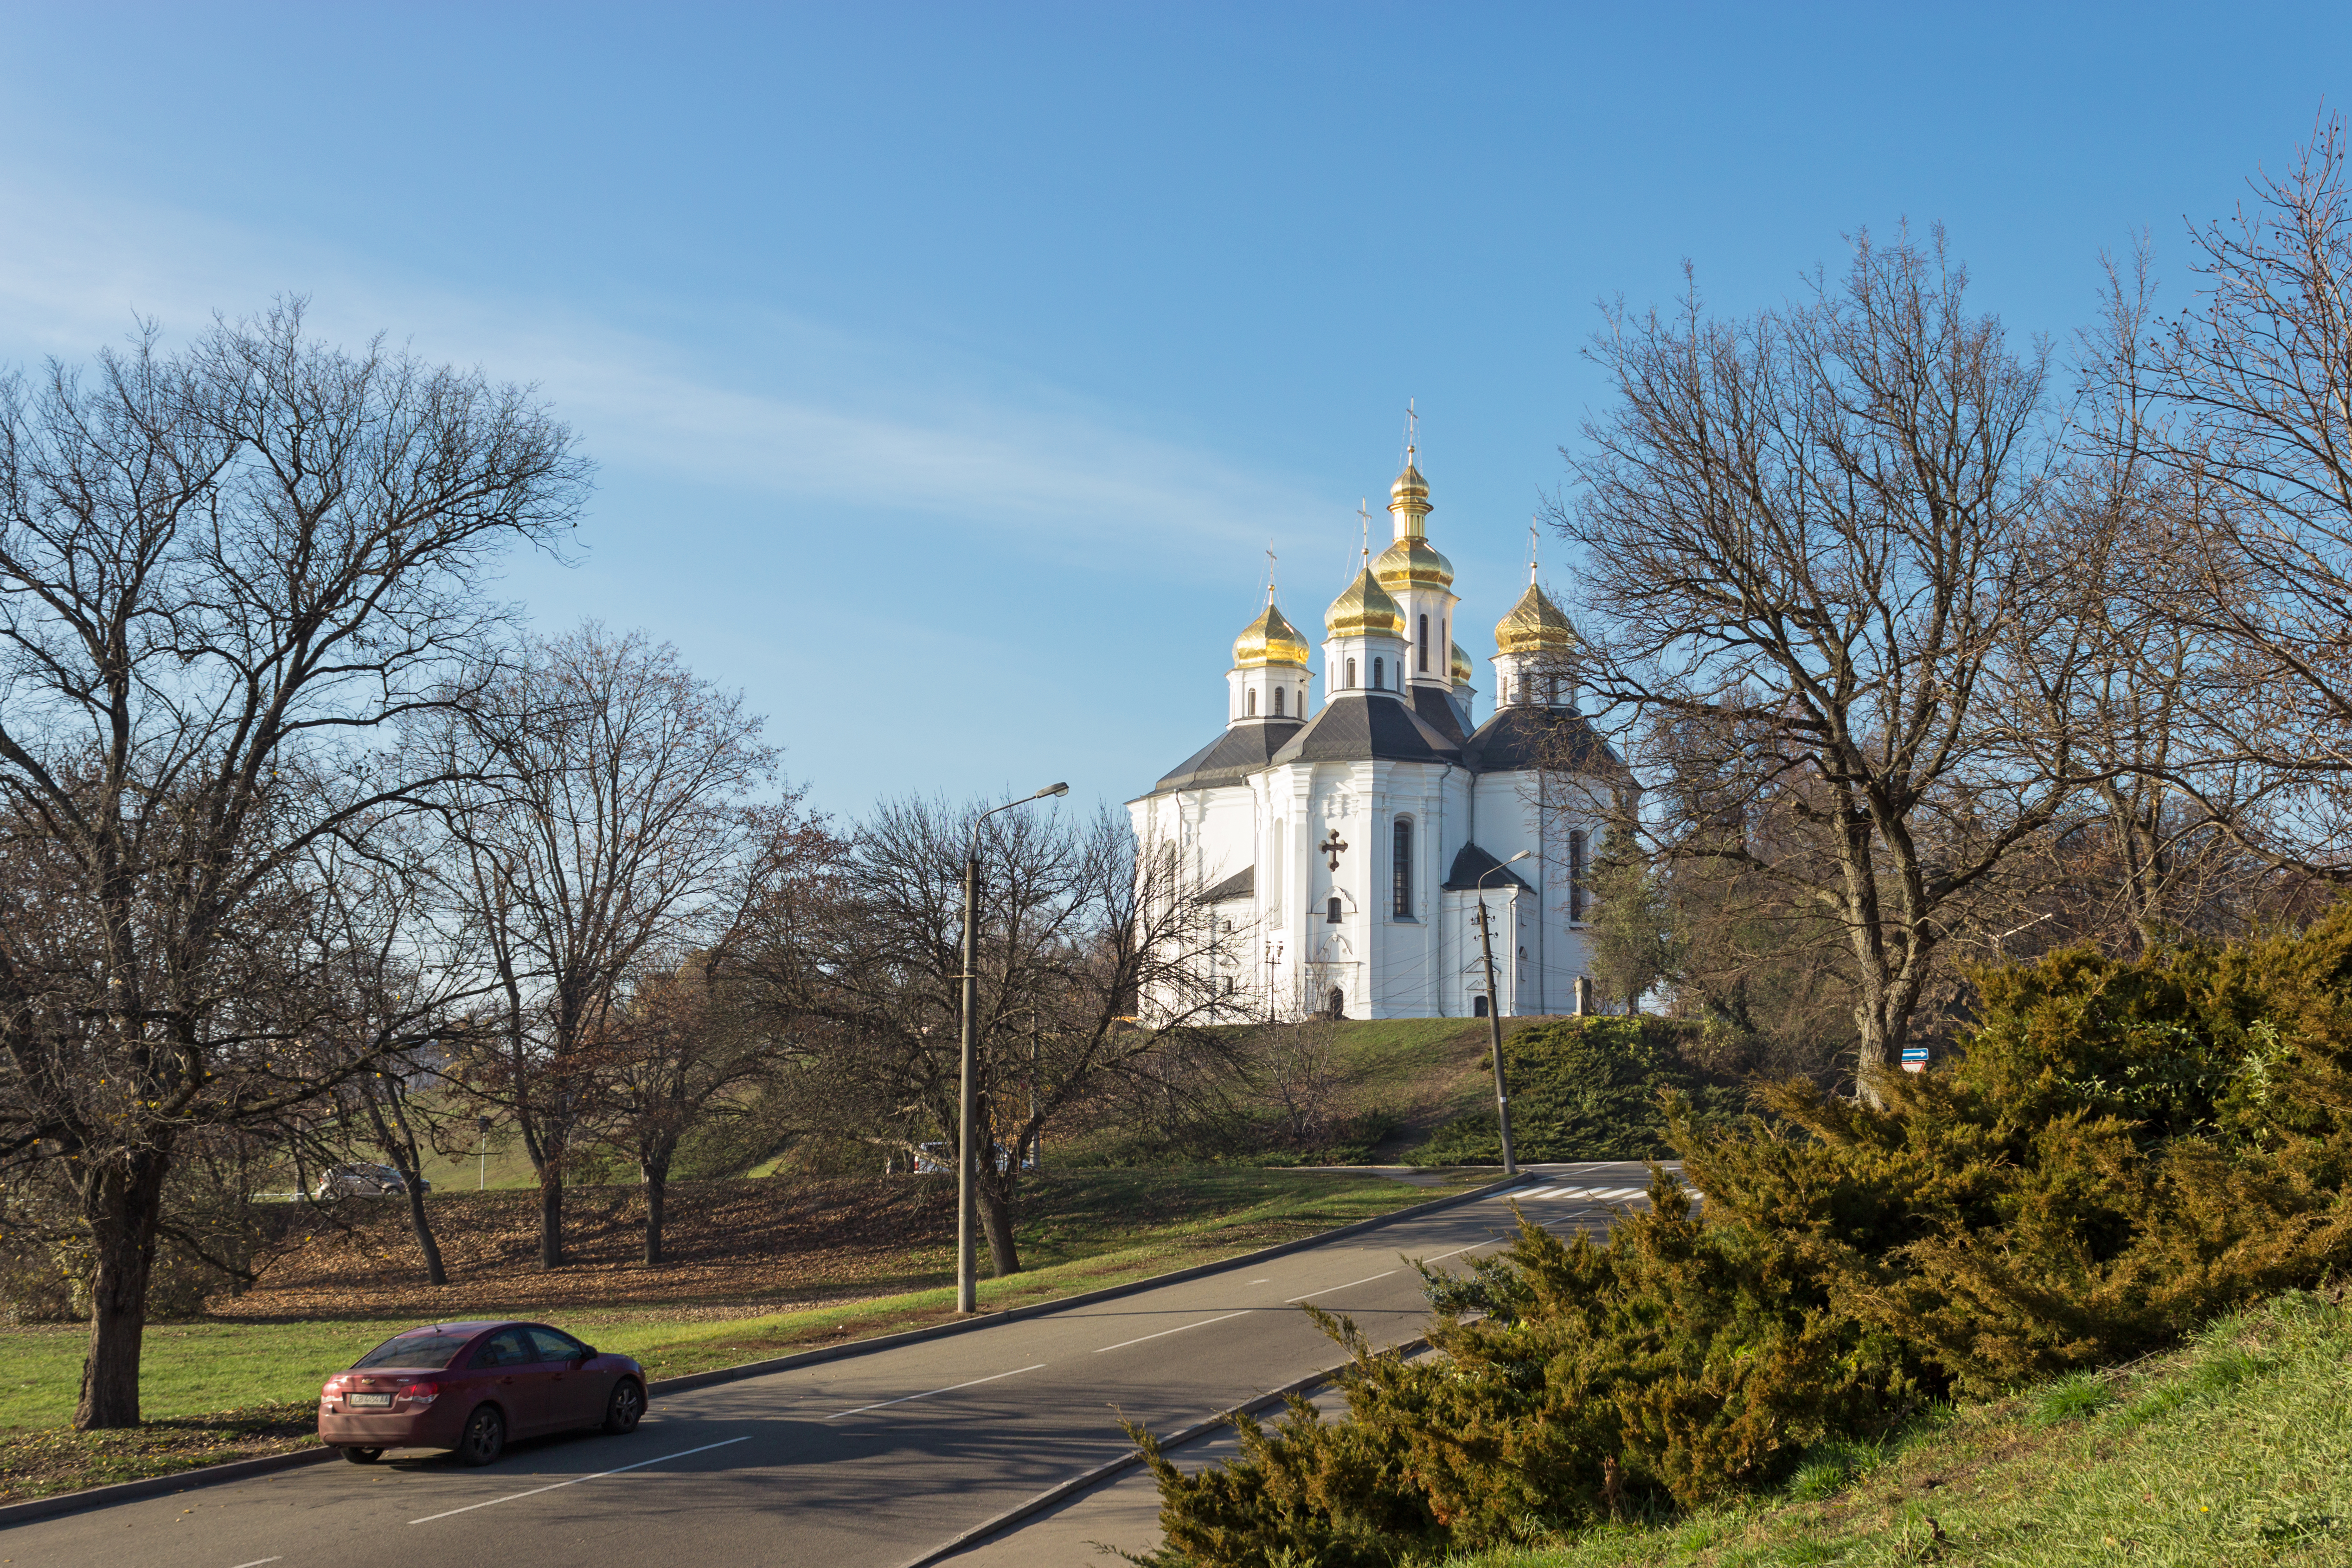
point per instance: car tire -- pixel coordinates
(625, 1409)
(485, 1438)
(363, 1456)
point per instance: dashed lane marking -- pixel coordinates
(951, 1389)
(1330, 1289)
(575, 1482)
(1180, 1328)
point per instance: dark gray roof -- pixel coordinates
(1233, 757)
(1241, 884)
(1473, 862)
(1523, 736)
(1355, 725)
(1437, 710)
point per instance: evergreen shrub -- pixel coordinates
(2119, 1153)
(1587, 1088)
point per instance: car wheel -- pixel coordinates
(625, 1409)
(363, 1456)
(485, 1438)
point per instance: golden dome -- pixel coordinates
(1408, 496)
(1409, 484)
(1270, 639)
(1534, 625)
(1411, 563)
(1463, 669)
(1365, 609)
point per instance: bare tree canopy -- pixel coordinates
(223, 574)
(1093, 965)
(1822, 586)
(603, 801)
(2240, 408)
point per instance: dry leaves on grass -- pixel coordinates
(734, 1247)
(59, 1458)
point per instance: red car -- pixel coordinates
(472, 1387)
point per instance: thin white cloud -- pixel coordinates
(78, 267)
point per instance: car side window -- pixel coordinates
(505, 1348)
(556, 1345)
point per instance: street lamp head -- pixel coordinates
(1051, 789)
(1520, 856)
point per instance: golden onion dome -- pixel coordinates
(1409, 486)
(1463, 669)
(1534, 625)
(1365, 609)
(1411, 563)
(1270, 639)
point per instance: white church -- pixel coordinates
(1344, 845)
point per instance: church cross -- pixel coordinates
(1333, 846)
(1364, 513)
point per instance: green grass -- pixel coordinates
(2230, 1452)
(1102, 1229)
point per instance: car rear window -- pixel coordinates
(424, 1347)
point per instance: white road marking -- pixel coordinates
(575, 1482)
(257, 1561)
(1267, 1280)
(1458, 1253)
(951, 1389)
(1331, 1289)
(1163, 1333)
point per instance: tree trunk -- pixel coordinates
(550, 1217)
(656, 1169)
(996, 1219)
(121, 1205)
(418, 1222)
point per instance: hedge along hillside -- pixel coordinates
(2122, 1151)
(1589, 1088)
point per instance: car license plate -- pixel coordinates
(365, 1401)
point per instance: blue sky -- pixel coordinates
(951, 368)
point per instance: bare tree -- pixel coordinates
(2243, 407)
(223, 574)
(607, 809)
(1095, 963)
(1813, 540)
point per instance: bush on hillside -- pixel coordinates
(1590, 1089)
(2120, 1152)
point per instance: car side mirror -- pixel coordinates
(586, 1353)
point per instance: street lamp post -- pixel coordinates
(1495, 1020)
(967, 1196)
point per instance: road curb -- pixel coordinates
(1064, 1492)
(39, 1508)
(245, 1469)
(1062, 1303)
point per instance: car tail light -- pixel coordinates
(421, 1393)
(334, 1387)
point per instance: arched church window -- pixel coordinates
(1339, 1003)
(1478, 1006)
(1422, 655)
(1555, 691)
(1253, 704)
(1331, 909)
(1277, 700)
(1402, 865)
(1351, 675)
(1379, 674)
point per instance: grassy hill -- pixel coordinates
(2230, 1451)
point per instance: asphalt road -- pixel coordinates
(865, 1462)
